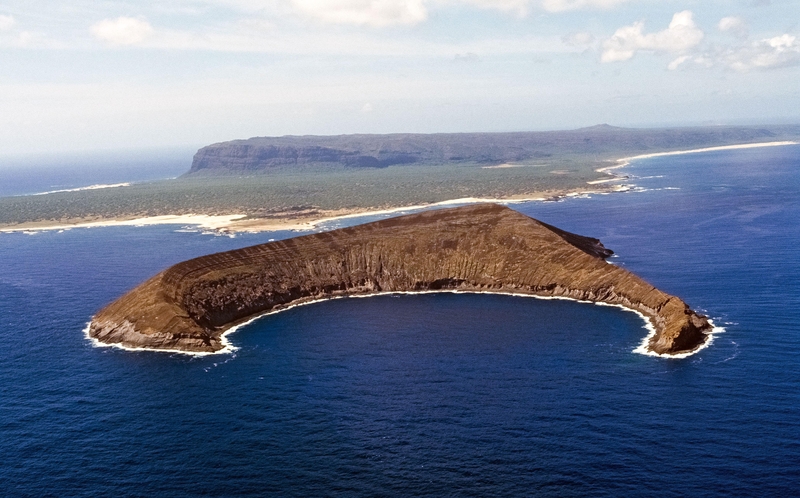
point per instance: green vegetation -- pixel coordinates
(281, 193)
(282, 177)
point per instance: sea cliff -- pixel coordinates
(484, 248)
(270, 154)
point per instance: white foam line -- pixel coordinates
(230, 348)
(642, 348)
(226, 223)
(90, 187)
(461, 201)
(202, 220)
(625, 161)
(419, 207)
(227, 346)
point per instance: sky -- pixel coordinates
(102, 75)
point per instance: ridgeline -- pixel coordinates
(479, 248)
(269, 154)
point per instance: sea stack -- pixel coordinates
(479, 248)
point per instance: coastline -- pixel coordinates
(230, 348)
(625, 161)
(212, 222)
(237, 223)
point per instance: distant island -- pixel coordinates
(293, 182)
(479, 248)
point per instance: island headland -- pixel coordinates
(273, 154)
(478, 248)
(294, 182)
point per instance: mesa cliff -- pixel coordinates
(483, 248)
(268, 154)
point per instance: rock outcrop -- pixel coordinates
(484, 247)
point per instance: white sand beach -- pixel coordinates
(621, 163)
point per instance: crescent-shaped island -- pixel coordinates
(476, 248)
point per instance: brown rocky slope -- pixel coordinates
(485, 247)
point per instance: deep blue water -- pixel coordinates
(440, 395)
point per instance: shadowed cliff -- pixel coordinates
(473, 248)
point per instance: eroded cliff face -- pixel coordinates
(244, 157)
(474, 248)
(265, 154)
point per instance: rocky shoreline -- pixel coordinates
(477, 248)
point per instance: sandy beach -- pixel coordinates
(233, 223)
(237, 222)
(621, 163)
(200, 220)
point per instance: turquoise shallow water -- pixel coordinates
(454, 395)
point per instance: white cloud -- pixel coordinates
(770, 53)
(524, 6)
(379, 13)
(6, 22)
(521, 7)
(469, 57)
(579, 39)
(26, 39)
(733, 25)
(563, 5)
(681, 35)
(675, 64)
(364, 12)
(780, 51)
(122, 30)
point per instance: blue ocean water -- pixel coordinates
(36, 175)
(439, 395)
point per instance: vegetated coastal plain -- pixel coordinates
(290, 182)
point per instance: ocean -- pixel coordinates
(50, 173)
(435, 394)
